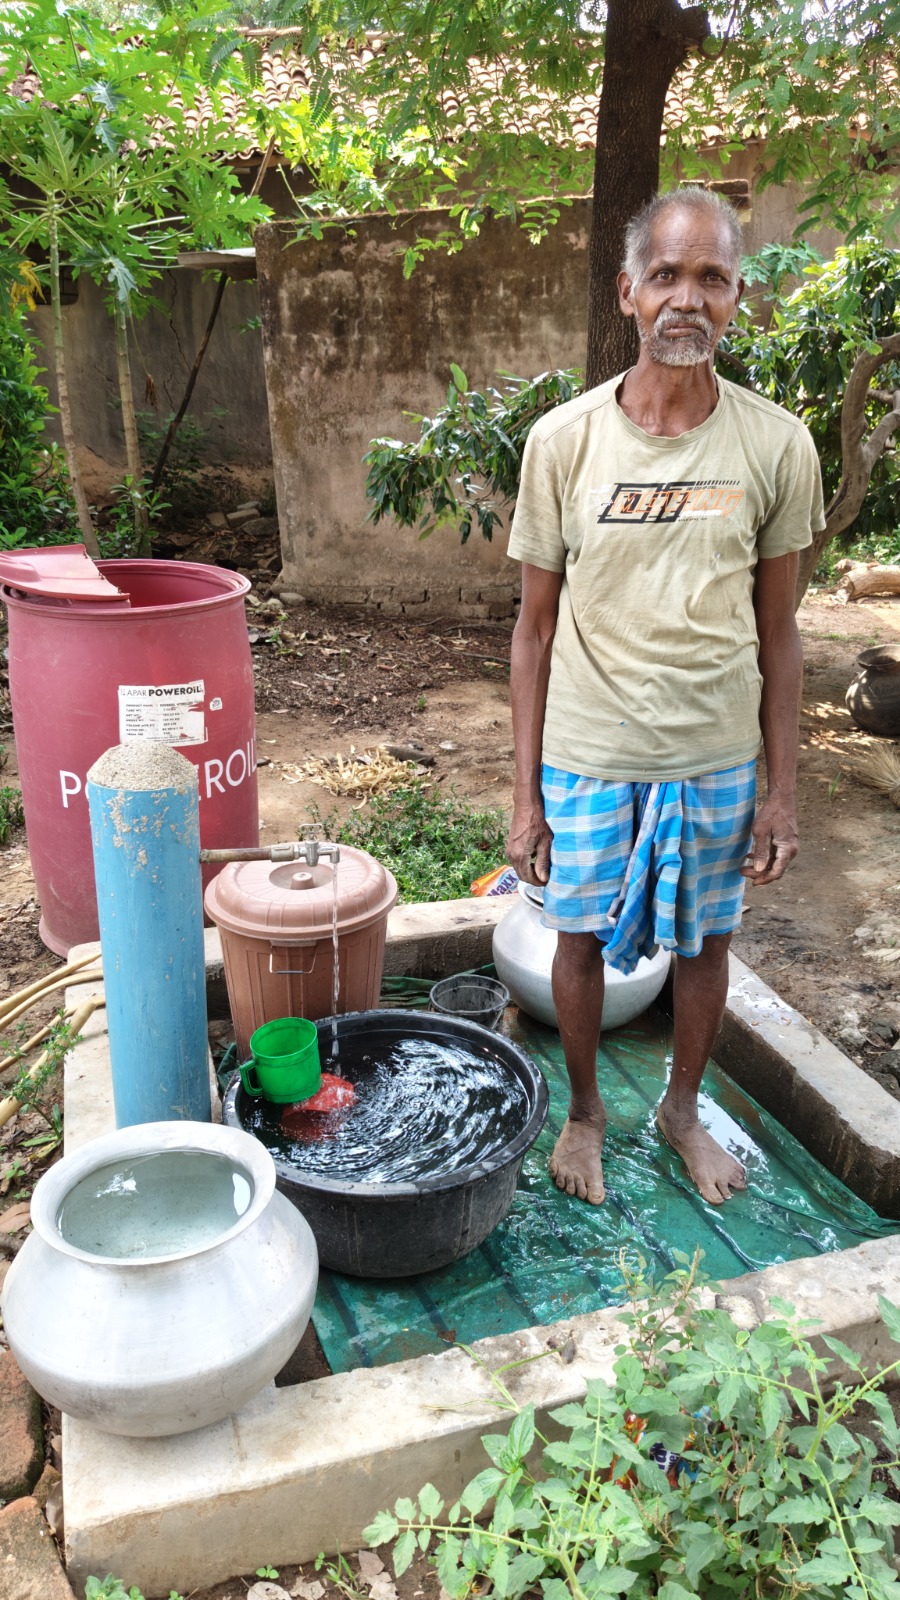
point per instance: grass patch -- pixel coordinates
(11, 814)
(434, 844)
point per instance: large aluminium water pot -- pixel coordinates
(374, 1229)
(148, 1318)
(523, 956)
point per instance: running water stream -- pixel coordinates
(336, 974)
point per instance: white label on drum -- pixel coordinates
(170, 712)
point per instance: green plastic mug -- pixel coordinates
(284, 1061)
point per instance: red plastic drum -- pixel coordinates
(174, 665)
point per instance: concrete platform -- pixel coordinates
(303, 1469)
(842, 1116)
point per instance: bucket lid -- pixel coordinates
(290, 903)
(59, 572)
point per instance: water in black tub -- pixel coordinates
(423, 1107)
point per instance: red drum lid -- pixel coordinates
(58, 572)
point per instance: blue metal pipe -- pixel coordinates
(145, 824)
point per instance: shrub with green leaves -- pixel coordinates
(181, 484)
(35, 502)
(803, 359)
(435, 845)
(112, 1588)
(12, 814)
(755, 1478)
(464, 467)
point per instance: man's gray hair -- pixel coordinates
(639, 232)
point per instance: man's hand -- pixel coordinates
(781, 666)
(528, 844)
(774, 841)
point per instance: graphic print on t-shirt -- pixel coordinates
(675, 501)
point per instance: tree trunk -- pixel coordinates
(646, 43)
(869, 580)
(859, 452)
(132, 444)
(83, 510)
(175, 424)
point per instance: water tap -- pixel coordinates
(308, 850)
(314, 848)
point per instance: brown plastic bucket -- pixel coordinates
(275, 923)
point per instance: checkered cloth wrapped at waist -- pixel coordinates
(647, 864)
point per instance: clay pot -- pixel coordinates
(873, 698)
(147, 1317)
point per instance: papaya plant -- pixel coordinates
(109, 169)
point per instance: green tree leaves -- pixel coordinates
(112, 142)
(35, 504)
(480, 109)
(463, 470)
(804, 357)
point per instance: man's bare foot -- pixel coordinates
(712, 1169)
(575, 1164)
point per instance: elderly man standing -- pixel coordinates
(659, 522)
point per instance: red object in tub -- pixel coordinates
(106, 652)
(306, 1119)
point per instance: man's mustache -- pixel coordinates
(684, 319)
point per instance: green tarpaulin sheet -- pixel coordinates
(554, 1257)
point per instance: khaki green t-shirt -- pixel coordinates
(654, 668)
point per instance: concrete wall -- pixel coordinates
(350, 345)
(163, 345)
(775, 211)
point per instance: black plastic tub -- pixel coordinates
(396, 1230)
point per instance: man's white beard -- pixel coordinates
(689, 351)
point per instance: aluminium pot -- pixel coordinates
(397, 1230)
(147, 1344)
(523, 956)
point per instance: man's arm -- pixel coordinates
(528, 845)
(781, 665)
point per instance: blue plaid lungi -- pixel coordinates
(647, 864)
